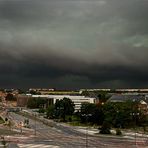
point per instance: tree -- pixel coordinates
(85, 93)
(121, 114)
(34, 92)
(20, 91)
(10, 97)
(64, 107)
(36, 103)
(41, 110)
(88, 108)
(98, 116)
(50, 113)
(32, 103)
(41, 102)
(103, 96)
(93, 113)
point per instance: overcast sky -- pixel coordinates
(74, 43)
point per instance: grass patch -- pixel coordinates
(77, 123)
(1, 120)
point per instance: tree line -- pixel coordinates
(105, 115)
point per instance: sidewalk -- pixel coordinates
(93, 131)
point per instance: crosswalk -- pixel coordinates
(36, 146)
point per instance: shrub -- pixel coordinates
(105, 129)
(118, 132)
(41, 110)
(70, 119)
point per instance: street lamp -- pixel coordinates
(35, 124)
(135, 115)
(35, 117)
(87, 116)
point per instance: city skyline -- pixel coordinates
(73, 44)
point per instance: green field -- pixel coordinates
(1, 120)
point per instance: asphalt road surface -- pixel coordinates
(59, 136)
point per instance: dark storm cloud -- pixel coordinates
(65, 43)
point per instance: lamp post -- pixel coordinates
(35, 125)
(87, 116)
(35, 117)
(135, 115)
(118, 123)
(21, 125)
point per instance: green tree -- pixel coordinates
(64, 107)
(87, 108)
(36, 103)
(85, 93)
(41, 102)
(41, 110)
(92, 113)
(10, 97)
(20, 91)
(121, 114)
(103, 96)
(34, 92)
(32, 103)
(50, 113)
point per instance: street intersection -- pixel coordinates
(40, 135)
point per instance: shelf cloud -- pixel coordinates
(73, 43)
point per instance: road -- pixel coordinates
(61, 136)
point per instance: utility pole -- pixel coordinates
(35, 124)
(35, 118)
(135, 115)
(86, 116)
(86, 136)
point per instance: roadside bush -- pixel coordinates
(70, 119)
(1, 120)
(41, 110)
(118, 132)
(10, 97)
(105, 129)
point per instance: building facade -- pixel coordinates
(78, 100)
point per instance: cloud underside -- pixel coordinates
(73, 44)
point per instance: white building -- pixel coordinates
(78, 100)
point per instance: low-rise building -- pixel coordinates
(22, 100)
(125, 97)
(142, 100)
(78, 100)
